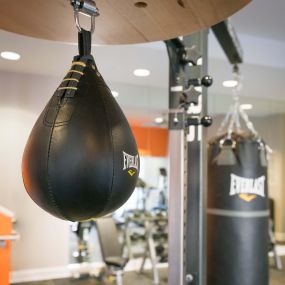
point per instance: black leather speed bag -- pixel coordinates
(81, 160)
(237, 237)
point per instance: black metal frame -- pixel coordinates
(194, 197)
(228, 40)
(188, 185)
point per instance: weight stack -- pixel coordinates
(237, 234)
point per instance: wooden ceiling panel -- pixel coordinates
(120, 21)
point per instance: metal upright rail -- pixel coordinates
(188, 175)
(187, 150)
(197, 176)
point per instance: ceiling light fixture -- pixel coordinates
(246, 106)
(159, 120)
(141, 72)
(10, 55)
(230, 83)
(115, 93)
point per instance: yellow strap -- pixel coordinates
(76, 71)
(73, 79)
(78, 63)
(63, 88)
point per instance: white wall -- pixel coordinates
(44, 239)
(149, 169)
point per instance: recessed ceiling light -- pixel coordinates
(10, 55)
(141, 72)
(115, 93)
(159, 120)
(230, 83)
(246, 106)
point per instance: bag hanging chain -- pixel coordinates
(232, 120)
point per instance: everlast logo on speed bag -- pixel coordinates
(247, 188)
(131, 161)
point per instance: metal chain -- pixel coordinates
(248, 123)
(231, 122)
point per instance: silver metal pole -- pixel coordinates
(176, 212)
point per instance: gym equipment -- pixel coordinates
(111, 249)
(152, 228)
(272, 247)
(121, 22)
(187, 107)
(143, 199)
(82, 231)
(155, 224)
(129, 28)
(237, 238)
(134, 232)
(81, 160)
(272, 241)
(237, 212)
(187, 153)
(163, 188)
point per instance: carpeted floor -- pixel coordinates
(133, 278)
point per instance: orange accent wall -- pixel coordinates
(5, 252)
(151, 141)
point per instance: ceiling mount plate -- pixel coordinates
(120, 21)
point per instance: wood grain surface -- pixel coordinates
(120, 21)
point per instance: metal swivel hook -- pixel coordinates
(86, 7)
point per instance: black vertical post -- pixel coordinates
(197, 176)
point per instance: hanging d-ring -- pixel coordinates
(86, 7)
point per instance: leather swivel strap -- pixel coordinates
(84, 42)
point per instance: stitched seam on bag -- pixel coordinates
(61, 123)
(113, 151)
(50, 192)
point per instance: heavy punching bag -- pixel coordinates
(81, 160)
(237, 235)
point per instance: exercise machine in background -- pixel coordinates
(149, 229)
(82, 231)
(272, 241)
(111, 250)
(138, 230)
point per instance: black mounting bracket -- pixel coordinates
(184, 83)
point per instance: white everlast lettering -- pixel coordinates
(130, 161)
(241, 185)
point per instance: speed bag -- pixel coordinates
(237, 213)
(81, 159)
